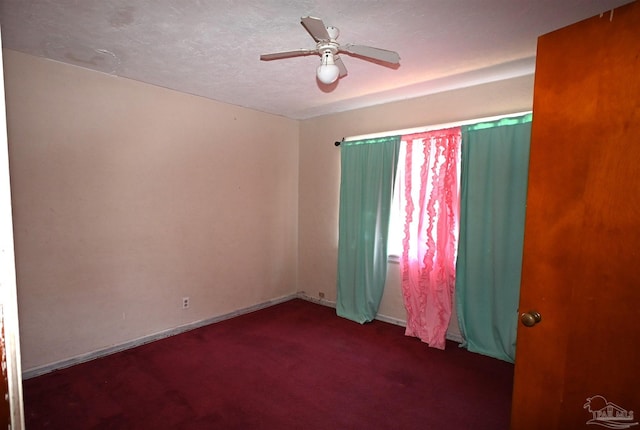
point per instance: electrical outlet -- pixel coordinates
(185, 303)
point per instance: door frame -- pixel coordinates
(8, 288)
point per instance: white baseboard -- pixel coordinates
(324, 302)
(384, 318)
(62, 364)
(82, 358)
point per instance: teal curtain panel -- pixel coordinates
(494, 173)
(368, 169)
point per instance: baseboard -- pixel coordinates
(324, 302)
(62, 364)
(48, 368)
(384, 318)
(455, 337)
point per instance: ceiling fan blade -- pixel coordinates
(338, 62)
(288, 54)
(316, 28)
(373, 53)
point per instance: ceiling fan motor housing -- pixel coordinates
(323, 47)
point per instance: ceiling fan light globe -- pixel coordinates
(327, 73)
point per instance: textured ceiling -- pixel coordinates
(212, 48)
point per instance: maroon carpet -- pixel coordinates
(295, 365)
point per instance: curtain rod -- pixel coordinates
(430, 127)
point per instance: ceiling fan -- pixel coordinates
(331, 66)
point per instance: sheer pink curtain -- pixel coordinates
(429, 196)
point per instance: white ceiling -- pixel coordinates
(211, 48)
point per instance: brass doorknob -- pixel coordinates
(531, 318)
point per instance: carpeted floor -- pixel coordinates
(295, 365)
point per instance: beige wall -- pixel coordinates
(128, 197)
(320, 172)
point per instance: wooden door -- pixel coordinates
(579, 367)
